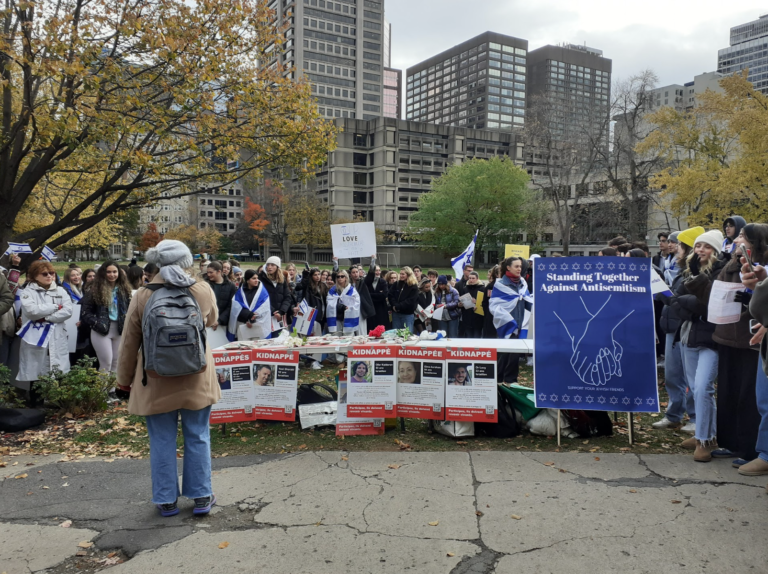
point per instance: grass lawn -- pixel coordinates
(118, 434)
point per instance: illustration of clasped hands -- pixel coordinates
(596, 353)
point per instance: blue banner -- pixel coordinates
(595, 346)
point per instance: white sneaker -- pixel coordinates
(665, 423)
(316, 366)
(689, 428)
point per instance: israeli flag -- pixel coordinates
(72, 295)
(259, 305)
(36, 333)
(464, 259)
(351, 299)
(658, 285)
(17, 248)
(48, 253)
(503, 302)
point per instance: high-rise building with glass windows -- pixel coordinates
(339, 47)
(481, 83)
(393, 84)
(748, 50)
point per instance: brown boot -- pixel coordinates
(703, 453)
(689, 443)
(757, 467)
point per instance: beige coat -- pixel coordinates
(165, 394)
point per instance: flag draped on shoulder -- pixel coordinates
(502, 304)
(349, 298)
(458, 263)
(262, 328)
(74, 296)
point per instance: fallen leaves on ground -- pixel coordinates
(516, 517)
(435, 523)
(21, 475)
(66, 524)
(85, 544)
(393, 466)
(223, 545)
(450, 554)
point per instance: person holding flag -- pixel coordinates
(510, 305)
(343, 306)
(250, 306)
(44, 308)
(461, 261)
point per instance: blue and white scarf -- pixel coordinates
(259, 305)
(36, 333)
(72, 294)
(351, 299)
(502, 303)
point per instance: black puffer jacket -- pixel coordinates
(314, 298)
(97, 316)
(403, 297)
(379, 299)
(224, 293)
(280, 297)
(671, 321)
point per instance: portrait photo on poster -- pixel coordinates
(460, 374)
(264, 375)
(409, 372)
(224, 378)
(362, 372)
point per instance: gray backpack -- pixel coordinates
(174, 333)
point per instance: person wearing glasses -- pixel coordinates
(44, 308)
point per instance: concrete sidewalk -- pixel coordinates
(332, 512)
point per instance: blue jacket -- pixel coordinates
(450, 300)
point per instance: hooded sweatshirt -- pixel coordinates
(739, 222)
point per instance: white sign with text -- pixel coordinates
(352, 240)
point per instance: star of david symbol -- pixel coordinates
(587, 266)
(601, 399)
(552, 266)
(638, 401)
(575, 266)
(622, 266)
(625, 400)
(651, 401)
(632, 267)
(566, 398)
(553, 398)
(611, 266)
(542, 397)
(542, 267)
(643, 267)
(37, 325)
(614, 400)
(564, 266)
(577, 399)
(590, 399)
(599, 265)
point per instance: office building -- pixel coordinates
(576, 80)
(393, 85)
(217, 207)
(748, 49)
(481, 84)
(683, 97)
(339, 47)
(166, 214)
(381, 167)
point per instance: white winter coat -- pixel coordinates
(38, 303)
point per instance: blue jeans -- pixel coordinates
(680, 397)
(451, 328)
(761, 390)
(402, 320)
(196, 478)
(700, 365)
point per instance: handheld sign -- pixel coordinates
(523, 251)
(351, 240)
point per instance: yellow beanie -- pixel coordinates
(688, 236)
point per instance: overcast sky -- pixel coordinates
(676, 38)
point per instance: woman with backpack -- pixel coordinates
(165, 400)
(280, 298)
(104, 307)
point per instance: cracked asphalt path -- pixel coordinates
(479, 512)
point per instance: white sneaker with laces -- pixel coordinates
(316, 366)
(665, 423)
(689, 428)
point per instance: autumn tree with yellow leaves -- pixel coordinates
(717, 154)
(107, 105)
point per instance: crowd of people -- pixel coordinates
(715, 375)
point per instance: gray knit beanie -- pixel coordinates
(170, 252)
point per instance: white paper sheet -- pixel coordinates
(353, 240)
(722, 308)
(70, 326)
(466, 300)
(217, 338)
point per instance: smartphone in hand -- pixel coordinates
(745, 254)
